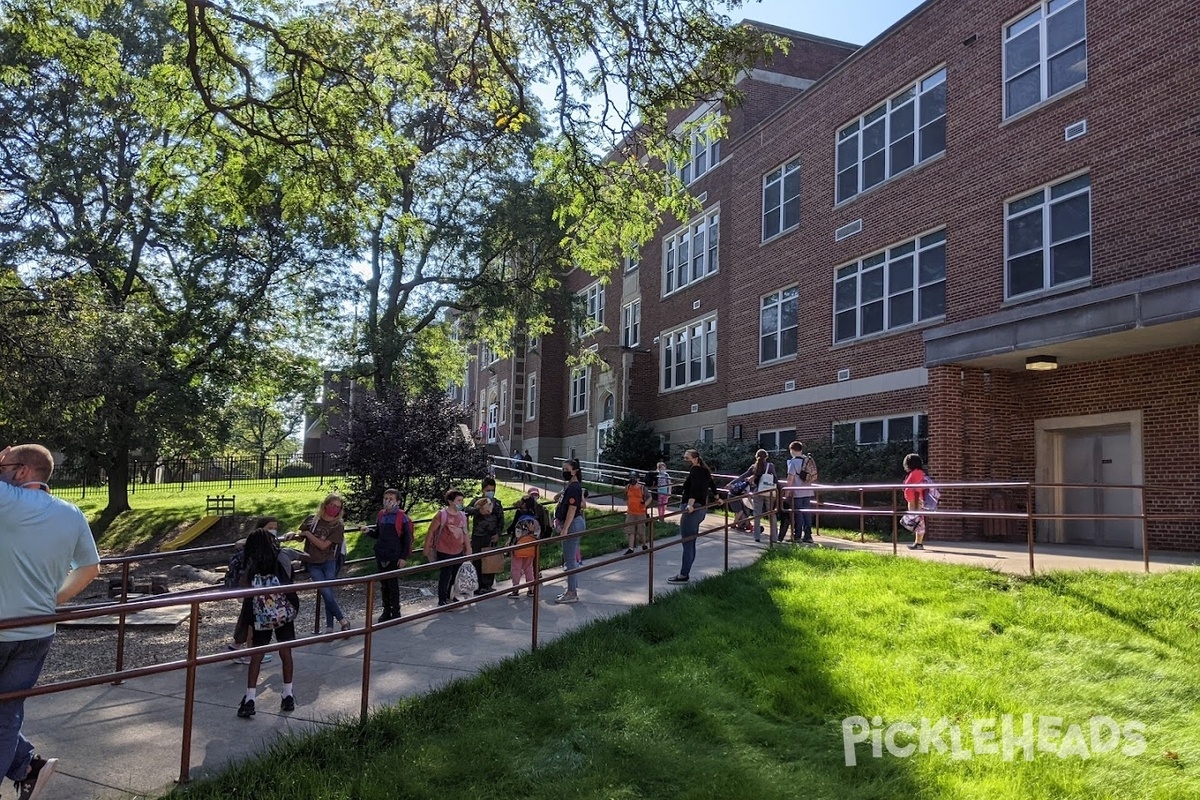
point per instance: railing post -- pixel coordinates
(1029, 521)
(895, 526)
(277, 470)
(1145, 534)
(725, 515)
(650, 569)
(317, 610)
(537, 596)
(121, 620)
(189, 701)
(368, 625)
(862, 517)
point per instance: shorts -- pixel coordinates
(284, 633)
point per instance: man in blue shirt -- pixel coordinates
(47, 556)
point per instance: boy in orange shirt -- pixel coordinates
(637, 500)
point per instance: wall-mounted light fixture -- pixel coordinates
(1041, 363)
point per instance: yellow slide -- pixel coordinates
(190, 534)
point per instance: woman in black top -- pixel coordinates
(568, 518)
(696, 489)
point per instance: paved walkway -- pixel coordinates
(124, 741)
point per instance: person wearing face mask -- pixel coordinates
(486, 527)
(322, 534)
(447, 538)
(393, 534)
(568, 518)
(47, 556)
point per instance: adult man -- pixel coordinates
(47, 556)
(485, 530)
(802, 471)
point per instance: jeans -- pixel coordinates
(689, 527)
(762, 512)
(20, 664)
(389, 587)
(802, 520)
(446, 577)
(327, 572)
(572, 557)
(785, 521)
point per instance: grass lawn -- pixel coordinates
(738, 686)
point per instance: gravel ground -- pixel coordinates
(80, 653)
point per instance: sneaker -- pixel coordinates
(268, 658)
(529, 592)
(916, 546)
(40, 772)
(345, 624)
(515, 593)
(678, 579)
(645, 547)
(567, 597)
(246, 709)
(243, 660)
(288, 704)
(629, 552)
(807, 540)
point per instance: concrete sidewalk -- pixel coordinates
(124, 741)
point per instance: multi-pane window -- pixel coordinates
(690, 254)
(631, 324)
(898, 133)
(900, 286)
(486, 354)
(910, 429)
(776, 441)
(704, 151)
(531, 397)
(503, 402)
(1045, 52)
(689, 354)
(777, 326)
(1048, 237)
(708, 435)
(579, 390)
(593, 297)
(781, 199)
(632, 263)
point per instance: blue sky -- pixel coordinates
(856, 21)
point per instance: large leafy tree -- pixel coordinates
(146, 248)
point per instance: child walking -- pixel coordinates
(273, 614)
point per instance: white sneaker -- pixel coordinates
(567, 597)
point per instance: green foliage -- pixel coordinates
(729, 457)
(632, 443)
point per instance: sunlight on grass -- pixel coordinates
(738, 686)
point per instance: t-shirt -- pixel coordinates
(796, 487)
(571, 496)
(635, 499)
(42, 538)
(332, 531)
(914, 495)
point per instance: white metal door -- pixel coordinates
(493, 415)
(1100, 458)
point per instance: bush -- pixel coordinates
(296, 469)
(632, 443)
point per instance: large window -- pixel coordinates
(777, 325)
(579, 390)
(531, 397)
(631, 324)
(689, 354)
(487, 355)
(690, 254)
(903, 285)
(776, 441)
(503, 402)
(910, 429)
(1048, 237)
(593, 297)
(896, 134)
(1045, 52)
(704, 151)
(781, 199)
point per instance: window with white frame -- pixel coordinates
(776, 441)
(632, 263)
(777, 325)
(905, 130)
(704, 151)
(631, 324)
(1048, 237)
(689, 354)
(486, 354)
(892, 289)
(909, 429)
(503, 402)
(781, 199)
(1045, 53)
(593, 298)
(534, 341)
(690, 254)
(531, 397)
(708, 435)
(579, 390)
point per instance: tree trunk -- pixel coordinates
(118, 483)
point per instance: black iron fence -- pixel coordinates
(203, 474)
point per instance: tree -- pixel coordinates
(414, 443)
(146, 248)
(268, 408)
(633, 443)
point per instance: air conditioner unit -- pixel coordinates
(695, 407)
(847, 230)
(789, 386)
(1075, 130)
(696, 306)
(843, 375)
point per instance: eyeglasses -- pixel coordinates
(12, 464)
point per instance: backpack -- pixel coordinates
(932, 495)
(527, 532)
(237, 566)
(274, 610)
(467, 581)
